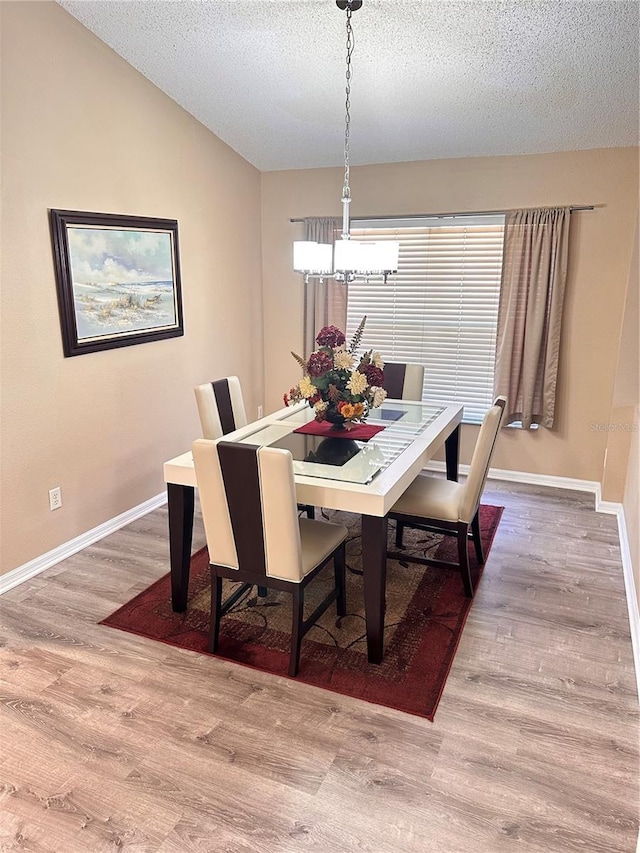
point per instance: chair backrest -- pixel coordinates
(220, 407)
(481, 458)
(403, 381)
(248, 501)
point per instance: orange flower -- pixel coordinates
(347, 410)
(358, 410)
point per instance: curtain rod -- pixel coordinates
(442, 215)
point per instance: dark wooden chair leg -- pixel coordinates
(399, 533)
(477, 541)
(339, 567)
(296, 629)
(262, 591)
(180, 505)
(216, 606)
(463, 559)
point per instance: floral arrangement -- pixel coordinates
(338, 385)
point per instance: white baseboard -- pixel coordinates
(608, 507)
(630, 590)
(39, 564)
(534, 480)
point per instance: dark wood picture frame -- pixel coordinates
(118, 279)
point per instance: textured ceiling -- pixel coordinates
(431, 78)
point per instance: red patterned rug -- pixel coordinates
(426, 612)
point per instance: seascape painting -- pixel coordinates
(122, 280)
(118, 281)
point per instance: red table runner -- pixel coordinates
(359, 432)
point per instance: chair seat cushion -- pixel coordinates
(318, 540)
(431, 497)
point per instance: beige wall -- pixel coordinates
(631, 504)
(600, 253)
(627, 387)
(626, 392)
(82, 130)
(626, 412)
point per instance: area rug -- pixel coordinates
(426, 612)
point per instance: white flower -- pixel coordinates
(358, 382)
(307, 388)
(343, 360)
(379, 396)
(376, 358)
(320, 406)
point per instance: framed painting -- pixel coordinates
(118, 279)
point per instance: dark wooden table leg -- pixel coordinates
(374, 572)
(452, 453)
(181, 501)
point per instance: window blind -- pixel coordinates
(440, 309)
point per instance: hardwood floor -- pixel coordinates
(110, 741)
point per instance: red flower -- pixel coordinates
(375, 376)
(319, 363)
(291, 396)
(330, 336)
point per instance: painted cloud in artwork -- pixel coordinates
(113, 255)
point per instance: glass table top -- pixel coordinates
(344, 458)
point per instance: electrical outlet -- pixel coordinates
(260, 411)
(55, 498)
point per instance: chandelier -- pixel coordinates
(347, 258)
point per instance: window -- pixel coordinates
(441, 308)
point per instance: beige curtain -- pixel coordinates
(325, 303)
(534, 273)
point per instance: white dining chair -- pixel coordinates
(448, 507)
(220, 406)
(403, 381)
(221, 410)
(256, 537)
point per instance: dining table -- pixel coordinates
(334, 472)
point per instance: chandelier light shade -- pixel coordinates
(365, 258)
(348, 258)
(312, 258)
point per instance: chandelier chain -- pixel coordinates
(346, 191)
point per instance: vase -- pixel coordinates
(336, 451)
(334, 417)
